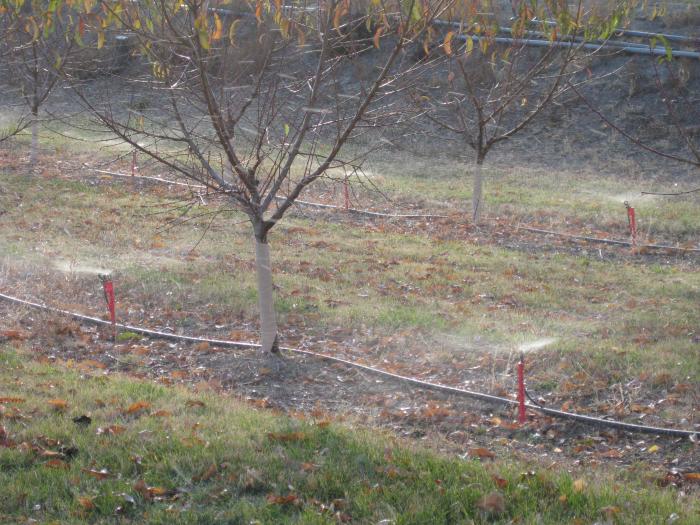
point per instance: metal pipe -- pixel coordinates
(635, 50)
(638, 34)
(565, 38)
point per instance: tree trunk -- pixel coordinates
(33, 152)
(268, 318)
(477, 191)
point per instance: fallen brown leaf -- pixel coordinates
(286, 436)
(308, 467)
(610, 511)
(481, 453)
(692, 476)
(111, 430)
(149, 492)
(206, 475)
(56, 463)
(289, 499)
(58, 404)
(16, 335)
(501, 483)
(6, 400)
(137, 407)
(90, 363)
(86, 502)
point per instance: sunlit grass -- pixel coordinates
(154, 454)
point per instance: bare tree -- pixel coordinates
(502, 77)
(36, 38)
(255, 101)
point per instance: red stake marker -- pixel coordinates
(631, 219)
(346, 194)
(521, 391)
(108, 288)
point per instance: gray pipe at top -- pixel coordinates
(632, 49)
(565, 38)
(639, 34)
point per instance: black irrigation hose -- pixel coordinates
(296, 201)
(417, 216)
(589, 420)
(632, 49)
(370, 213)
(609, 241)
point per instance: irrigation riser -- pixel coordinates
(370, 213)
(581, 418)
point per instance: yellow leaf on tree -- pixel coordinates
(447, 44)
(377, 36)
(340, 11)
(470, 45)
(218, 28)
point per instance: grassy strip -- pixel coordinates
(620, 320)
(154, 454)
(577, 202)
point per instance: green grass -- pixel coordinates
(574, 202)
(371, 282)
(210, 459)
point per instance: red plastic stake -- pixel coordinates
(133, 164)
(521, 391)
(346, 194)
(631, 219)
(108, 288)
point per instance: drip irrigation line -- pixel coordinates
(157, 179)
(589, 420)
(609, 241)
(675, 194)
(370, 213)
(303, 203)
(420, 216)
